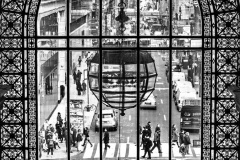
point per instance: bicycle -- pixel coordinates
(90, 107)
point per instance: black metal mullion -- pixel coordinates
(170, 80)
(100, 78)
(138, 79)
(68, 70)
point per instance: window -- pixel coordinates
(33, 72)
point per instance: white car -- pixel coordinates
(109, 120)
(149, 103)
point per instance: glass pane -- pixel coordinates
(52, 102)
(51, 23)
(155, 108)
(114, 13)
(84, 104)
(119, 93)
(119, 42)
(156, 42)
(84, 18)
(186, 18)
(186, 101)
(51, 43)
(154, 18)
(187, 42)
(86, 42)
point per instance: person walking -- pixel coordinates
(74, 75)
(87, 137)
(187, 142)
(84, 87)
(148, 145)
(79, 139)
(40, 144)
(79, 60)
(55, 139)
(50, 144)
(106, 139)
(149, 128)
(58, 130)
(156, 141)
(74, 136)
(175, 135)
(158, 128)
(144, 134)
(79, 75)
(181, 142)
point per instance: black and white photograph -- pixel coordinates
(119, 79)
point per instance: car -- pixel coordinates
(109, 120)
(149, 103)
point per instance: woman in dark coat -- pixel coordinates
(106, 139)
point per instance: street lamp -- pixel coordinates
(119, 78)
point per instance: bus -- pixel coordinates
(191, 115)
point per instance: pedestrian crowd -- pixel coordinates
(50, 136)
(150, 140)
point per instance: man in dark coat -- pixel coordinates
(156, 141)
(87, 137)
(149, 128)
(84, 87)
(148, 145)
(144, 134)
(74, 76)
(79, 74)
(74, 136)
(187, 142)
(106, 139)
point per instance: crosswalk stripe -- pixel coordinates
(132, 150)
(122, 150)
(111, 150)
(197, 151)
(175, 150)
(190, 153)
(89, 150)
(165, 149)
(97, 154)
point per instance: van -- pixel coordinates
(184, 94)
(181, 84)
(178, 76)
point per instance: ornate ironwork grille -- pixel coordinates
(220, 120)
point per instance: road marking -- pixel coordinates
(159, 83)
(127, 139)
(129, 117)
(161, 88)
(132, 150)
(165, 117)
(161, 101)
(89, 150)
(122, 150)
(111, 150)
(97, 154)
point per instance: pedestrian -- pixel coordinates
(149, 128)
(84, 87)
(79, 74)
(158, 128)
(87, 137)
(40, 143)
(55, 139)
(106, 139)
(144, 134)
(74, 75)
(50, 144)
(187, 142)
(181, 137)
(175, 135)
(51, 128)
(148, 145)
(66, 140)
(45, 125)
(74, 136)
(79, 60)
(156, 141)
(59, 118)
(79, 139)
(58, 130)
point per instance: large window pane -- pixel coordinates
(186, 101)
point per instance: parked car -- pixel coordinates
(149, 103)
(109, 120)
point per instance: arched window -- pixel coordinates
(130, 53)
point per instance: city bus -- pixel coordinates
(191, 114)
